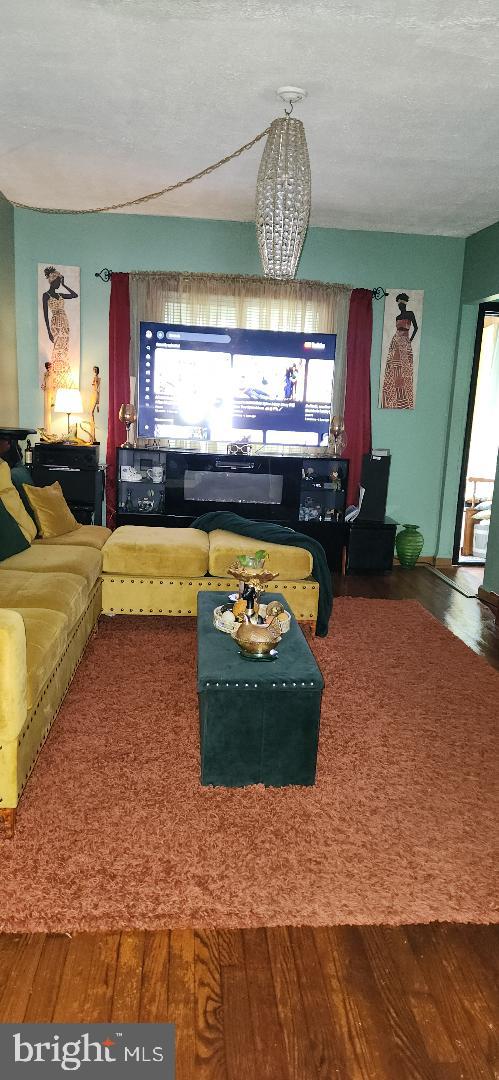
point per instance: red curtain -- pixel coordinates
(119, 382)
(358, 388)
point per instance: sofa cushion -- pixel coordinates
(52, 513)
(12, 502)
(292, 563)
(12, 540)
(93, 536)
(57, 592)
(13, 691)
(46, 637)
(54, 558)
(138, 549)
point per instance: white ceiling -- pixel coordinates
(104, 100)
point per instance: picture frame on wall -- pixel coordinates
(59, 326)
(400, 348)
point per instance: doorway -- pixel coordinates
(480, 444)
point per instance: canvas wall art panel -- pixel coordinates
(59, 326)
(400, 348)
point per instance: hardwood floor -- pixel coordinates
(328, 1003)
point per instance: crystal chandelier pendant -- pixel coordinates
(283, 193)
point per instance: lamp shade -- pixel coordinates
(68, 401)
(283, 194)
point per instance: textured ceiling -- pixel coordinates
(103, 100)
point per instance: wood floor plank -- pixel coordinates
(101, 978)
(482, 946)
(154, 993)
(323, 1029)
(465, 974)
(181, 1005)
(71, 1002)
(128, 978)
(405, 1031)
(41, 1003)
(376, 1046)
(421, 1002)
(290, 1006)
(19, 984)
(270, 1048)
(210, 1049)
(240, 1049)
(230, 947)
(483, 941)
(451, 1003)
(9, 944)
(361, 1063)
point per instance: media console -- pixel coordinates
(172, 487)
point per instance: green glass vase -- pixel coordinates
(409, 545)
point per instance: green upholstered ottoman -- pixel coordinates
(259, 721)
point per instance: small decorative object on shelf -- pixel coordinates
(335, 481)
(128, 501)
(48, 397)
(337, 436)
(409, 545)
(94, 399)
(146, 503)
(243, 447)
(128, 416)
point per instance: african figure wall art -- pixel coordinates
(59, 325)
(400, 349)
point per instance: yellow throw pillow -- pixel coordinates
(51, 510)
(12, 502)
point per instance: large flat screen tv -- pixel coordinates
(228, 385)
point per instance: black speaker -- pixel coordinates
(374, 478)
(370, 546)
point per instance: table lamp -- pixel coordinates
(128, 416)
(68, 401)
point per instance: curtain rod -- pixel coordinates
(105, 275)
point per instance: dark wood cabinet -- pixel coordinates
(78, 471)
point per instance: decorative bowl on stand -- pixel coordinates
(230, 625)
(248, 575)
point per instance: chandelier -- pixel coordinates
(283, 192)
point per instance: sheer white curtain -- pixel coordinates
(252, 303)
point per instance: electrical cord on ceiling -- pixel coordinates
(153, 194)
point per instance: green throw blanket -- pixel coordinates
(278, 534)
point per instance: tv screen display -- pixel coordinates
(230, 385)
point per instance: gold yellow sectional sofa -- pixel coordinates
(50, 600)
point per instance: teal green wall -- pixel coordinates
(417, 439)
(8, 360)
(481, 266)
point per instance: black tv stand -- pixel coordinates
(172, 487)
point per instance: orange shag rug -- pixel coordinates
(114, 830)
